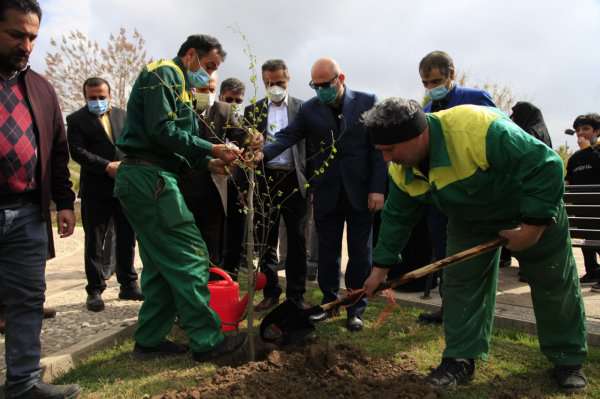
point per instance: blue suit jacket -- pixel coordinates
(358, 167)
(460, 95)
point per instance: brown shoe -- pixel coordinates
(266, 304)
(49, 313)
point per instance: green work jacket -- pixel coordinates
(161, 125)
(485, 173)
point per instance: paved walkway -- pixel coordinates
(75, 326)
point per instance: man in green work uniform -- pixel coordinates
(161, 141)
(490, 178)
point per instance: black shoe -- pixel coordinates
(570, 378)
(596, 287)
(452, 372)
(589, 278)
(354, 324)
(436, 317)
(94, 302)
(323, 315)
(131, 294)
(164, 349)
(230, 344)
(46, 391)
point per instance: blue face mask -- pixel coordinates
(439, 92)
(98, 107)
(327, 95)
(199, 78)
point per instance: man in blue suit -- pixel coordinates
(348, 187)
(438, 76)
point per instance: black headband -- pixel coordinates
(401, 132)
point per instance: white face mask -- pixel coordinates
(204, 101)
(277, 93)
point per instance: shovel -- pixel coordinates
(289, 322)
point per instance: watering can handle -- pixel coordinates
(221, 273)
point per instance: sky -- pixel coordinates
(546, 51)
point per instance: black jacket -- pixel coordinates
(91, 148)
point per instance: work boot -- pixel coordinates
(94, 302)
(131, 293)
(452, 372)
(46, 391)
(436, 317)
(165, 349)
(230, 344)
(570, 378)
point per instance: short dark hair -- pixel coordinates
(203, 45)
(24, 6)
(233, 84)
(439, 60)
(591, 119)
(275, 65)
(95, 82)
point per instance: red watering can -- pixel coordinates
(225, 297)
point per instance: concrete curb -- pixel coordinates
(59, 363)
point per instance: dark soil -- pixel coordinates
(316, 371)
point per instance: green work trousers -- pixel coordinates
(470, 293)
(174, 256)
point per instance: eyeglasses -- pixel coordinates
(324, 85)
(236, 100)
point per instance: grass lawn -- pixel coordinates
(516, 368)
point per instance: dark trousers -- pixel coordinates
(288, 204)
(330, 229)
(234, 230)
(23, 252)
(438, 232)
(589, 260)
(203, 200)
(101, 220)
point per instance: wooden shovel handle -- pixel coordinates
(355, 295)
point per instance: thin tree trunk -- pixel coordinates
(250, 263)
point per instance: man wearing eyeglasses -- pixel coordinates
(282, 189)
(232, 91)
(349, 178)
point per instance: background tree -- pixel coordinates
(76, 58)
(502, 95)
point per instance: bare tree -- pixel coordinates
(502, 95)
(76, 58)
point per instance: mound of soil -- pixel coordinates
(316, 371)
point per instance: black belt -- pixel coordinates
(137, 161)
(13, 201)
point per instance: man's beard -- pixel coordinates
(14, 62)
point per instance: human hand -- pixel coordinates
(375, 202)
(255, 140)
(227, 152)
(65, 220)
(377, 276)
(111, 168)
(583, 142)
(523, 237)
